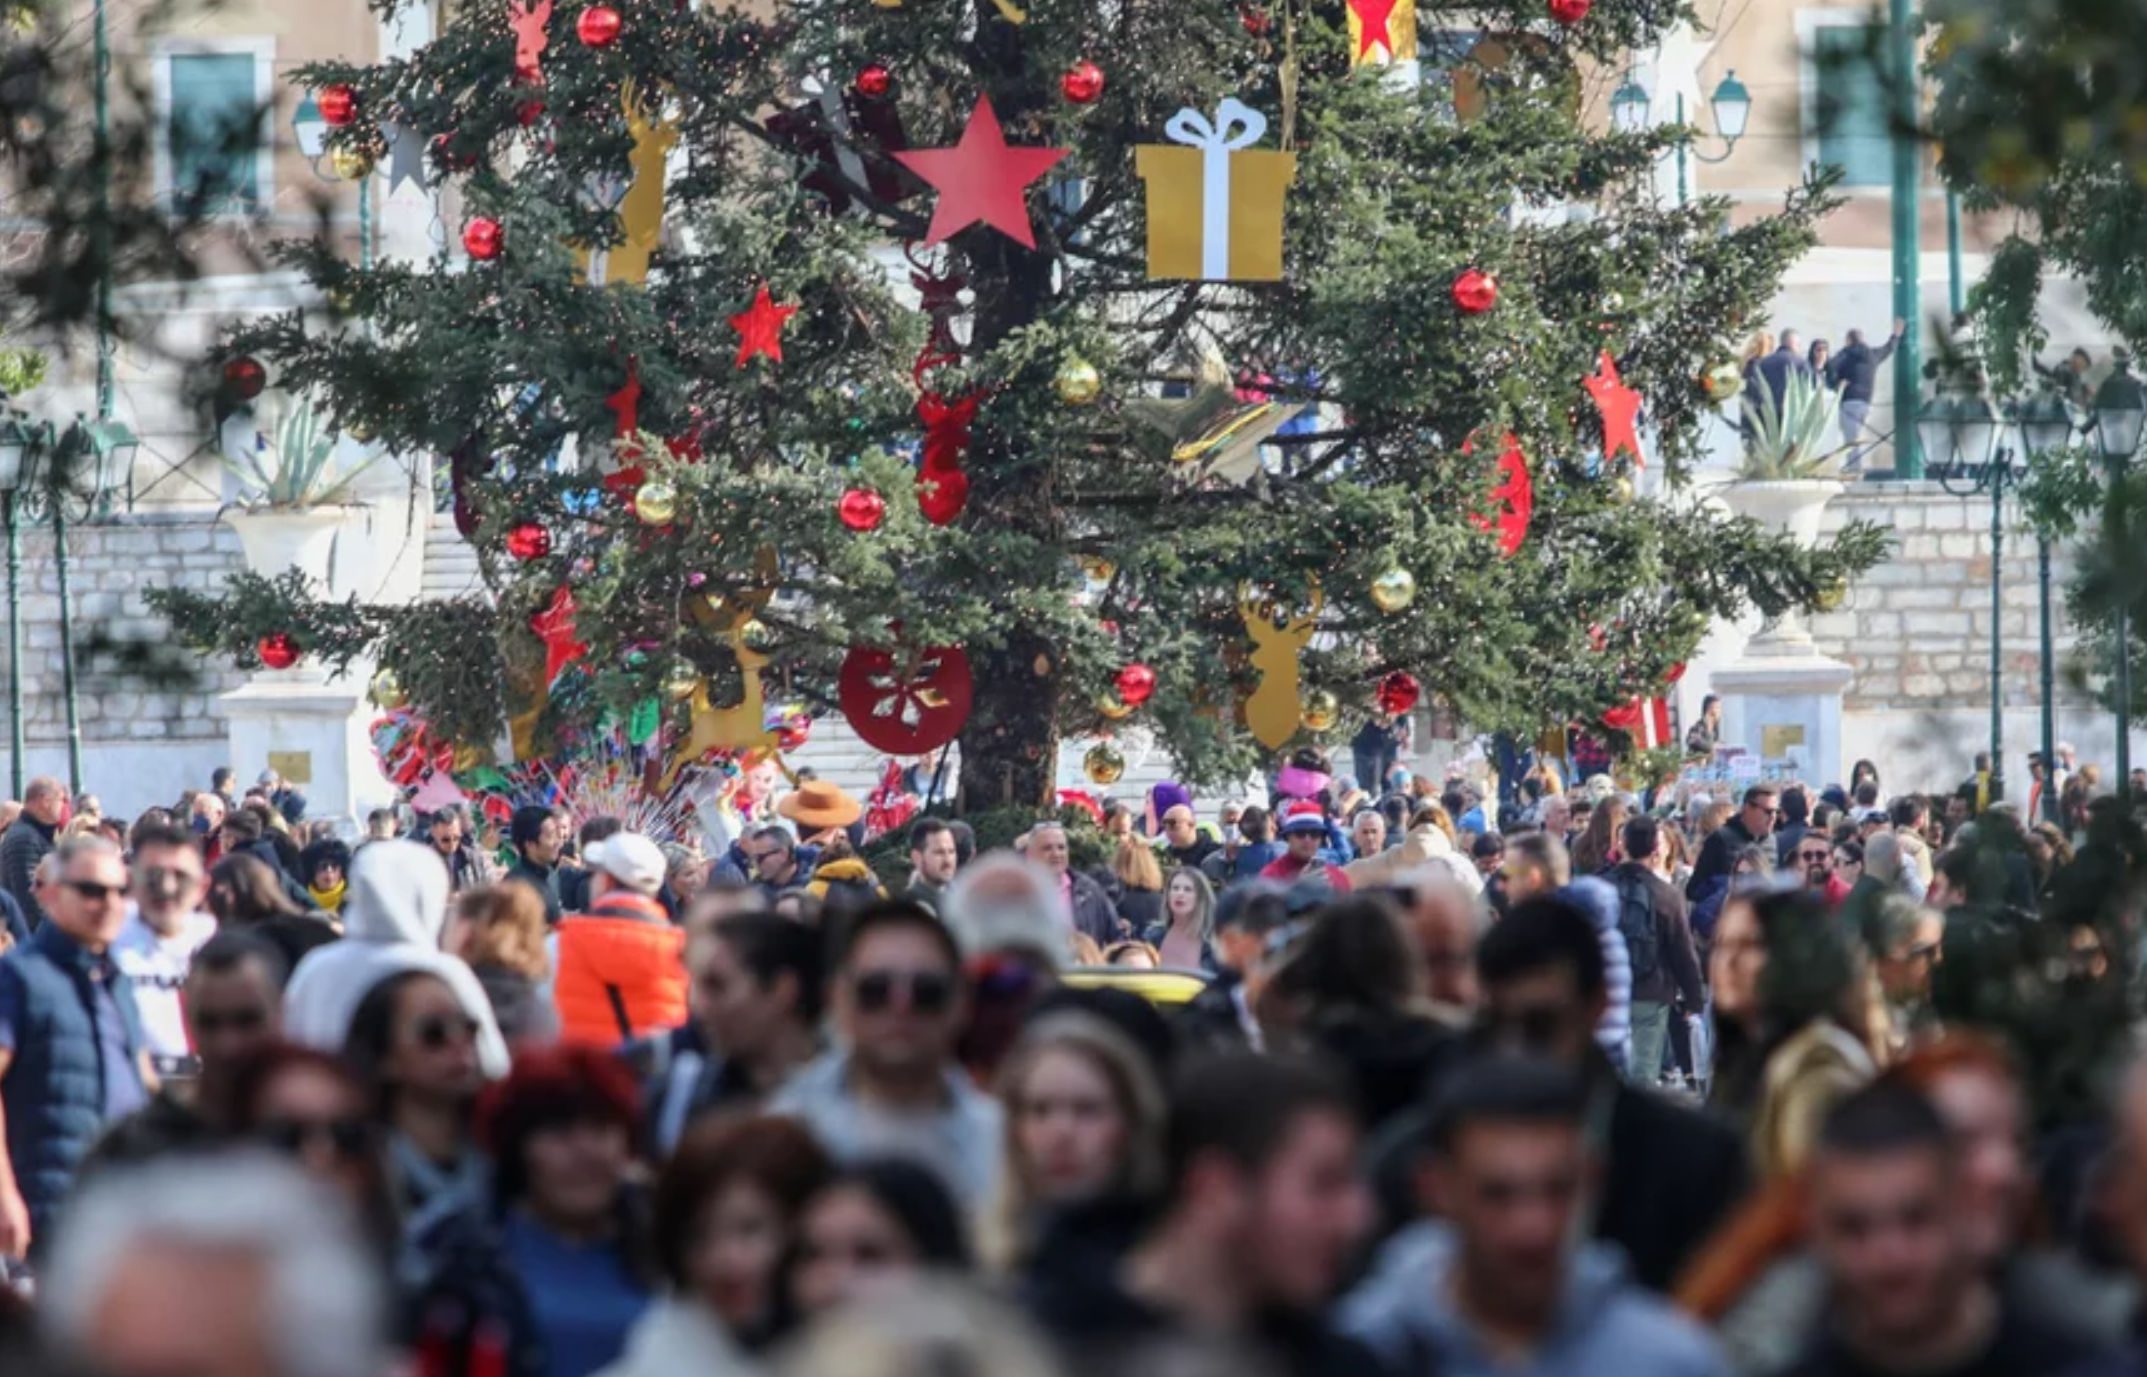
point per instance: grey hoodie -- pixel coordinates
(1404, 1313)
(391, 924)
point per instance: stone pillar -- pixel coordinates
(314, 734)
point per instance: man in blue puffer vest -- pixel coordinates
(72, 1057)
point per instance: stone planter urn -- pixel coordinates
(1793, 508)
(280, 538)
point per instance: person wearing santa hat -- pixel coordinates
(1304, 833)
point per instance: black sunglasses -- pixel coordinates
(436, 1033)
(930, 992)
(90, 889)
(237, 1021)
(350, 1138)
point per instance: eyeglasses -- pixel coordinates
(930, 992)
(348, 1138)
(164, 876)
(1813, 857)
(438, 1032)
(759, 857)
(236, 1021)
(91, 890)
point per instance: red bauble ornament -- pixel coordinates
(875, 82)
(483, 238)
(1136, 684)
(599, 26)
(1475, 291)
(277, 650)
(862, 509)
(1399, 692)
(1254, 19)
(527, 540)
(245, 378)
(1082, 83)
(905, 702)
(1570, 12)
(942, 495)
(339, 106)
(529, 112)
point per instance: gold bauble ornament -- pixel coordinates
(1098, 568)
(351, 162)
(1078, 382)
(468, 756)
(1722, 381)
(1832, 594)
(387, 691)
(754, 634)
(656, 502)
(679, 684)
(1621, 489)
(1394, 590)
(1103, 764)
(1319, 710)
(1111, 708)
(360, 432)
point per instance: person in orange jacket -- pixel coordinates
(620, 966)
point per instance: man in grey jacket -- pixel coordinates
(1498, 1286)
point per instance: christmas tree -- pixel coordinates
(1235, 381)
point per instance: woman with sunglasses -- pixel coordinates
(415, 1046)
(308, 1105)
(874, 1226)
(547, 1273)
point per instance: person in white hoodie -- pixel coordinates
(392, 919)
(1498, 1286)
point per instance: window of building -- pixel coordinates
(214, 156)
(1846, 113)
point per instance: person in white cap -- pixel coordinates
(619, 968)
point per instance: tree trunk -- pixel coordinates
(1010, 746)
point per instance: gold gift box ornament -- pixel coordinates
(1215, 204)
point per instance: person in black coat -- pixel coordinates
(1718, 854)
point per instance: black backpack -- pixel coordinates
(1636, 924)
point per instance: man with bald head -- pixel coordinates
(28, 839)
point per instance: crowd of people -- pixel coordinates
(1408, 1079)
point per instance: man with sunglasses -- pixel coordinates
(1752, 824)
(165, 927)
(71, 1053)
(893, 1086)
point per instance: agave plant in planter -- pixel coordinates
(294, 495)
(1797, 441)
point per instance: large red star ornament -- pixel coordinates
(1373, 18)
(1620, 407)
(555, 627)
(981, 179)
(760, 327)
(625, 403)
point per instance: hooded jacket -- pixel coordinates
(1422, 846)
(620, 972)
(1404, 1312)
(392, 919)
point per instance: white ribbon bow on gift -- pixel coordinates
(1237, 125)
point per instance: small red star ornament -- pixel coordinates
(760, 327)
(1620, 407)
(981, 179)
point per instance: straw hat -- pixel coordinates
(818, 805)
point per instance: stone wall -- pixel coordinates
(139, 745)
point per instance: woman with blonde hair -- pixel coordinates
(1597, 849)
(499, 930)
(1140, 884)
(1084, 1120)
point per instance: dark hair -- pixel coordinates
(1906, 809)
(919, 1201)
(892, 915)
(1642, 835)
(233, 948)
(767, 946)
(779, 1156)
(371, 1036)
(1884, 1117)
(1853, 849)
(1258, 906)
(1487, 844)
(527, 824)
(1454, 802)
(327, 851)
(1549, 931)
(163, 837)
(598, 828)
(1253, 824)
(1867, 794)
(1357, 956)
(924, 829)
(256, 892)
(1244, 1105)
(548, 1088)
(773, 832)
(451, 813)
(965, 841)
(244, 823)
(219, 777)
(1796, 804)
(1758, 793)
(1506, 1089)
